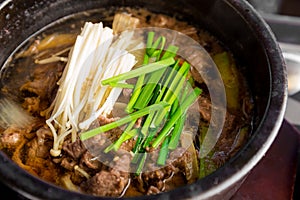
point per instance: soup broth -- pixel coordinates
(30, 78)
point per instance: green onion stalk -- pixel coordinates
(161, 97)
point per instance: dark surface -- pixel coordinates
(274, 177)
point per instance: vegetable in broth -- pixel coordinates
(116, 114)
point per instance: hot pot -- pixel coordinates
(234, 22)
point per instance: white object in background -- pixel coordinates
(292, 113)
(291, 54)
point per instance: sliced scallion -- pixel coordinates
(140, 71)
(174, 118)
(163, 153)
(126, 119)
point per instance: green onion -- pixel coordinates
(170, 52)
(140, 71)
(145, 95)
(150, 137)
(126, 135)
(163, 153)
(156, 93)
(137, 89)
(170, 76)
(137, 146)
(122, 85)
(156, 54)
(174, 106)
(174, 118)
(150, 39)
(141, 164)
(177, 132)
(173, 92)
(129, 118)
(177, 82)
(154, 46)
(147, 123)
(161, 95)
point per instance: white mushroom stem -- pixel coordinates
(81, 98)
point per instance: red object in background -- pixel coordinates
(274, 177)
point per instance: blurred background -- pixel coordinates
(281, 7)
(283, 16)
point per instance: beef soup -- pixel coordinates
(33, 75)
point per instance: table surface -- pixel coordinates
(275, 175)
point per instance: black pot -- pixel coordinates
(234, 22)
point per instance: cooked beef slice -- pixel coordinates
(43, 82)
(11, 137)
(110, 182)
(74, 149)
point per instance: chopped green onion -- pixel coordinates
(156, 54)
(171, 51)
(122, 85)
(150, 137)
(163, 153)
(174, 118)
(141, 164)
(150, 39)
(170, 77)
(147, 123)
(154, 46)
(137, 89)
(150, 52)
(173, 92)
(147, 92)
(137, 146)
(177, 132)
(161, 96)
(140, 71)
(129, 118)
(179, 79)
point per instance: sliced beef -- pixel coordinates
(183, 161)
(43, 134)
(111, 182)
(153, 190)
(11, 137)
(106, 183)
(89, 161)
(37, 159)
(74, 149)
(44, 80)
(155, 179)
(68, 163)
(205, 108)
(34, 105)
